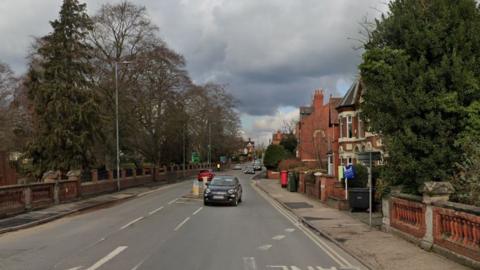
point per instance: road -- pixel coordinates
(164, 230)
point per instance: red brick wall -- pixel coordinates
(273, 175)
(42, 195)
(11, 201)
(68, 190)
(8, 175)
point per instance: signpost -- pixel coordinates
(369, 157)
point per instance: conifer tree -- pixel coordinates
(60, 90)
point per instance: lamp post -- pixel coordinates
(116, 121)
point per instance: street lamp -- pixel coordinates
(116, 120)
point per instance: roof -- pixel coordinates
(333, 114)
(304, 111)
(351, 97)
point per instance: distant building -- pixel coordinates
(354, 136)
(250, 149)
(317, 133)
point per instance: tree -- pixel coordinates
(289, 142)
(66, 107)
(421, 73)
(273, 155)
(7, 87)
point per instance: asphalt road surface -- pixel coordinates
(164, 230)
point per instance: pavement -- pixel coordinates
(164, 229)
(374, 248)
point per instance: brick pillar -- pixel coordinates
(94, 174)
(56, 193)
(123, 173)
(134, 172)
(110, 175)
(27, 193)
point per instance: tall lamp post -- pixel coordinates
(116, 120)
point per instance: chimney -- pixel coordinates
(318, 99)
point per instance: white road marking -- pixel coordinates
(181, 224)
(172, 201)
(249, 263)
(138, 265)
(290, 230)
(154, 211)
(264, 247)
(278, 237)
(283, 267)
(107, 258)
(198, 210)
(131, 222)
(318, 241)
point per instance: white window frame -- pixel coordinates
(360, 123)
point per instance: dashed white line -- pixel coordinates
(154, 211)
(278, 237)
(249, 263)
(107, 258)
(138, 265)
(181, 224)
(198, 210)
(290, 230)
(264, 247)
(172, 201)
(131, 222)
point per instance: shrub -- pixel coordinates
(273, 155)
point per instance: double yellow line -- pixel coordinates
(342, 262)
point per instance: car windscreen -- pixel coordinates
(222, 182)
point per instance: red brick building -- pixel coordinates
(354, 136)
(317, 133)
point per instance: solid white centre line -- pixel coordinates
(107, 258)
(172, 201)
(278, 237)
(130, 223)
(198, 210)
(181, 224)
(154, 211)
(249, 263)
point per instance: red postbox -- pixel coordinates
(283, 178)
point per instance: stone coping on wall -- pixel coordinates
(406, 196)
(471, 209)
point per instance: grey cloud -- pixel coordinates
(271, 53)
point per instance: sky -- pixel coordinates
(271, 54)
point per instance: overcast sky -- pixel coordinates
(272, 54)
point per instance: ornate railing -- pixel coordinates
(11, 201)
(408, 216)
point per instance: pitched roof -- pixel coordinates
(352, 95)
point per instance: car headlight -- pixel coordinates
(207, 190)
(231, 191)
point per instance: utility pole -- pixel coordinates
(116, 122)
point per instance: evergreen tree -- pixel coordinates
(61, 93)
(273, 155)
(422, 75)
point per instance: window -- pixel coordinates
(349, 161)
(341, 127)
(349, 127)
(360, 126)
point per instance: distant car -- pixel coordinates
(249, 170)
(205, 173)
(237, 167)
(223, 189)
(257, 167)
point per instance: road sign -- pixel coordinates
(365, 156)
(195, 157)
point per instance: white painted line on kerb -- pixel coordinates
(181, 224)
(130, 223)
(107, 258)
(172, 201)
(198, 210)
(154, 211)
(249, 263)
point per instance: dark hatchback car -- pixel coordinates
(223, 189)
